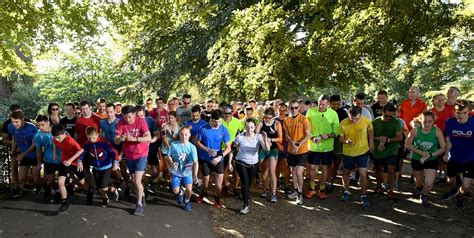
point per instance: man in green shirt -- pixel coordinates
(387, 135)
(324, 128)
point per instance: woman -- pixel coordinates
(272, 128)
(426, 142)
(246, 161)
(170, 133)
(53, 112)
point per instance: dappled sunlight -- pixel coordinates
(385, 231)
(386, 221)
(259, 203)
(231, 232)
(404, 212)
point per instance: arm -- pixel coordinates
(75, 156)
(259, 128)
(279, 139)
(264, 143)
(39, 155)
(448, 148)
(371, 140)
(6, 139)
(308, 133)
(442, 143)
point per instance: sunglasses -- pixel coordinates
(186, 103)
(294, 108)
(77, 113)
(54, 109)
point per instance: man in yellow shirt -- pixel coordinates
(357, 136)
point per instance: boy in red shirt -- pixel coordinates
(70, 152)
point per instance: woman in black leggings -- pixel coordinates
(246, 161)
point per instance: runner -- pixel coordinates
(43, 140)
(70, 152)
(246, 160)
(101, 103)
(169, 133)
(426, 143)
(357, 136)
(184, 166)
(324, 128)
(412, 107)
(282, 165)
(271, 128)
(184, 111)
(382, 100)
(22, 136)
(171, 106)
(206, 114)
(53, 112)
(387, 135)
(298, 132)
(453, 94)
(134, 134)
(149, 105)
(104, 159)
(195, 123)
(359, 100)
(459, 153)
(210, 139)
(69, 121)
(335, 102)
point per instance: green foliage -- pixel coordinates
(23, 94)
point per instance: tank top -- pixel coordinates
(272, 133)
(426, 142)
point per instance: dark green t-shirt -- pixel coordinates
(388, 129)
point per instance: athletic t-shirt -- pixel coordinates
(195, 126)
(82, 123)
(358, 133)
(69, 124)
(409, 112)
(184, 155)
(5, 126)
(212, 139)
(326, 122)
(133, 150)
(248, 148)
(24, 137)
(233, 127)
(442, 116)
(296, 129)
(109, 130)
(388, 129)
(426, 142)
(184, 114)
(462, 139)
(44, 141)
(68, 147)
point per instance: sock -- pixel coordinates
(180, 192)
(322, 187)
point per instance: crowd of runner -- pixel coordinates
(275, 144)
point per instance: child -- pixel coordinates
(104, 159)
(70, 152)
(182, 158)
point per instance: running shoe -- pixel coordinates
(264, 194)
(299, 200)
(179, 199)
(460, 201)
(187, 206)
(236, 194)
(244, 209)
(200, 199)
(378, 191)
(105, 202)
(64, 206)
(424, 200)
(292, 195)
(274, 198)
(452, 193)
(310, 194)
(139, 210)
(114, 196)
(38, 190)
(365, 201)
(17, 192)
(329, 187)
(346, 196)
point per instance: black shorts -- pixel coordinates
(208, 168)
(28, 162)
(391, 160)
(320, 158)
(102, 177)
(455, 168)
(430, 164)
(63, 171)
(297, 160)
(153, 156)
(50, 168)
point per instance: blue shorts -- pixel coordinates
(136, 165)
(360, 161)
(176, 180)
(320, 158)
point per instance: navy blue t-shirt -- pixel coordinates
(462, 139)
(24, 137)
(195, 126)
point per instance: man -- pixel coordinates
(387, 136)
(184, 166)
(210, 139)
(101, 103)
(171, 105)
(184, 111)
(133, 132)
(249, 114)
(196, 123)
(22, 136)
(459, 151)
(382, 100)
(359, 101)
(282, 164)
(69, 121)
(298, 132)
(160, 114)
(43, 140)
(206, 114)
(412, 107)
(324, 128)
(118, 110)
(453, 94)
(233, 125)
(302, 110)
(149, 105)
(357, 136)
(335, 101)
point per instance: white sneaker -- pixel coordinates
(299, 200)
(244, 210)
(293, 195)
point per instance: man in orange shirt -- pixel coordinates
(101, 103)
(412, 106)
(298, 132)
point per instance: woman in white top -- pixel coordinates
(246, 161)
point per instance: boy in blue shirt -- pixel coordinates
(23, 133)
(182, 158)
(43, 140)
